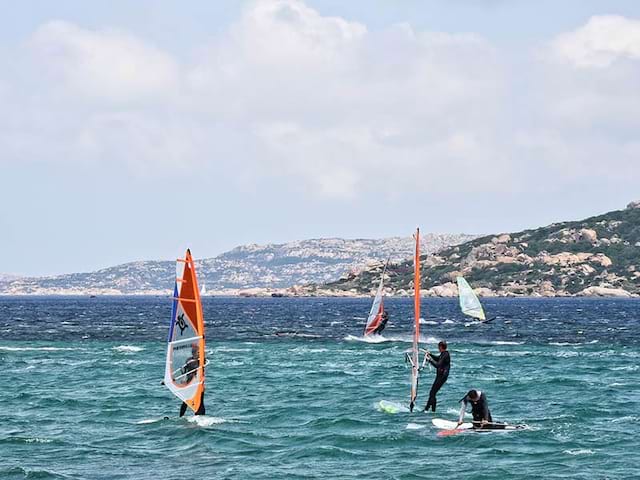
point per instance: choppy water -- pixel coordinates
(292, 391)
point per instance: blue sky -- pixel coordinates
(130, 130)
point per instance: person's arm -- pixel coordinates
(435, 360)
(462, 411)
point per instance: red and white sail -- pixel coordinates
(377, 308)
(184, 369)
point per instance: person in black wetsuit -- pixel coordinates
(190, 370)
(187, 372)
(479, 407)
(383, 323)
(442, 363)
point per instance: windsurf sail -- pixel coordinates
(203, 290)
(469, 302)
(415, 350)
(377, 308)
(184, 368)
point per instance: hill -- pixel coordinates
(596, 256)
(273, 266)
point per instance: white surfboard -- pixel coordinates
(443, 424)
(449, 425)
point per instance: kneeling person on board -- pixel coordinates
(479, 407)
(189, 370)
(383, 323)
(442, 363)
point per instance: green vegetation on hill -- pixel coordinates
(565, 258)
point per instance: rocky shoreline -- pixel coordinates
(449, 290)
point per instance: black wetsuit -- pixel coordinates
(479, 408)
(190, 368)
(200, 411)
(442, 363)
(383, 323)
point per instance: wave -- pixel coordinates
(428, 322)
(29, 473)
(205, 420)
(38, 349)
(448, 322)
(147, 421)
(382, 339)
(127, 349)
(368, 339)
(415, 426)
(505, 342)
(579, 451)
(38, 440)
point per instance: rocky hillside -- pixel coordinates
(596, 256)
(246, 267)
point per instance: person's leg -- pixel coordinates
(432, 396)
(183, 409)
(437, 385)
(201, 409)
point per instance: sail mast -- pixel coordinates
(415, 354)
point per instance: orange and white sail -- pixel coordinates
(415, 349)
(377, 308)
(184, 368)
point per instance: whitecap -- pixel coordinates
(127, 349)
(448, 322)
(147, 421)
(231, 349)
(37, 349)
(415, 426)
(205, 420)
(505, 342)
(579, 451)
(38, 440)
(367, 339)
(428, 322)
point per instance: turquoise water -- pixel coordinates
(88, 403)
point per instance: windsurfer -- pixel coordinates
(383, 323)
(479, 407)
(441, 363)
(189, 370)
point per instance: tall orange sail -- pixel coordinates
(184, 368)
(415, 351)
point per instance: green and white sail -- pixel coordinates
(469, 302)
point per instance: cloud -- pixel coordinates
(333, 107)
(108, 64)
(345, 110)
(601, 41)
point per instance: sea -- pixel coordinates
(293, 390)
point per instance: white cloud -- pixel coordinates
(603, 40)
(337, 108)
(345, 110)
(107, 64)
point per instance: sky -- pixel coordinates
(132, 130)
